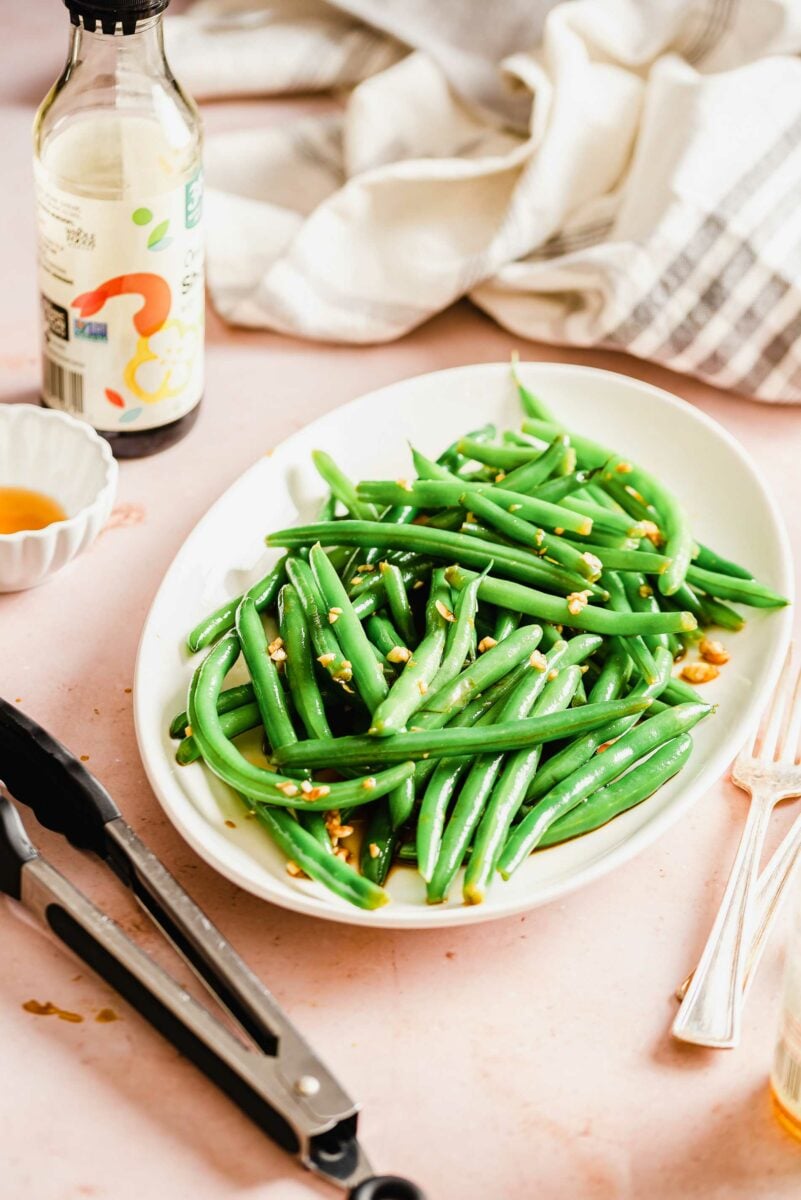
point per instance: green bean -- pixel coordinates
(627, 560)
(635, 646)
(571, 757)
(452, 519)
(380, 839)
(510, 790)
(629, 500)
(315, 824)
(580, 694)
(396, 514)
(427, 469)
(408, 692)
(433, 809)
(264, 676)
(300, 673)
(506, 622)
(730, 587)
(556, 489)
(439, 544)
(505, 458)
(398, 601)
(679, 692)
(514, 706)
(383, 634)
(326, 646)
(406, 853)
(715, 612)
(590, 618)
(684, 597)
(444, 743)
(711, 561)
(641, 598)
(367, 676)
(401, 801)
(233, 697)
(223, 758)
(342, 487)
(262, 593)
(603, 768)
(532, 405)
(513, 437)
(460, 640)
(301, 847)
(490, 701)
(235, 721)
(328, 509)
(673, 520)
(626, 792)
(450, 457)
(490, 697)
(371, 597)
(604, 520)
(439, 493)
(580, 562)
(598, 494)
(613, 677)
(479, 675)
(451, 846)
(558, 459)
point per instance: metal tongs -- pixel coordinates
(276, 1078)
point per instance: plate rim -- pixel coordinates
(430, 917)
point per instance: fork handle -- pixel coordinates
(711, 1011)
(771, 891)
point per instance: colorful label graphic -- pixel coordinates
(122, 305)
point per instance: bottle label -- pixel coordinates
(122, 305)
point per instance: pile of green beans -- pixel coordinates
(461, 667)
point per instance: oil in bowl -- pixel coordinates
(23, 509)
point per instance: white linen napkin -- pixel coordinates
(619, 173)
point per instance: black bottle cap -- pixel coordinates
(108, 14)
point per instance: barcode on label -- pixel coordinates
(787, 1071)
(63, 385)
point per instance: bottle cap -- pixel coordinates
(108, 14)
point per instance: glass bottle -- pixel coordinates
(117, 160)
(785, 1079)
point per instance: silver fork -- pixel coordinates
(711, 1011)
(769, 894)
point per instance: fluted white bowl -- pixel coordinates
(53, 453)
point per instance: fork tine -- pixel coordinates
(791, 751)
(774, 719)
(785, 750)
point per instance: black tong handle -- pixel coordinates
(386, 1187)
(40, 772)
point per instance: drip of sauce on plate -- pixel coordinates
(22, 508)
(51, 1010)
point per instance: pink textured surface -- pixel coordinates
(528, 1057)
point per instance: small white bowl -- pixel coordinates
(53, 453)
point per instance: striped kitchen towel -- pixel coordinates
(618, 173)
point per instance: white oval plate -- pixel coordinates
(730, 509)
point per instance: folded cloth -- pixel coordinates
(618, 173)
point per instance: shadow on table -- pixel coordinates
(740, 1153)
